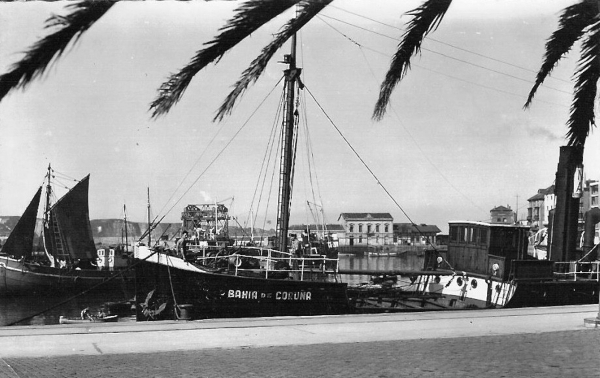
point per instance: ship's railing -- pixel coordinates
(577, 270)
(270, 261)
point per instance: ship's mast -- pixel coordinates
(125, 219)
(48, 195)
(292, 74)
(149, 221)
(46, 219)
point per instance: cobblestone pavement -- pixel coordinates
(551, 354)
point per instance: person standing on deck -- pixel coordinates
(182, 244)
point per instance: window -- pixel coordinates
(360, 228)
(351, 227)
(594, 189)
(464, 237)
(368, 229)
(594, 201)
(386, 228)
(376, 228)
(453, 233)
(483, 236)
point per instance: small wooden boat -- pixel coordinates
(67, 320)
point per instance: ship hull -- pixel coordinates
(446, 291)
(191, 292)
(19, 278)
(554, 293)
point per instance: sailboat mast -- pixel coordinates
(126, 238)
(149, 221)
(46, 238)
(287, 153)
(48, 195)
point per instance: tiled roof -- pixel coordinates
(406, 228)
(366, 216)
(314, 227)
(541, 193)
(501, 208)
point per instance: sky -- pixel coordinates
(455, 142)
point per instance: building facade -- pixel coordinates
(415, 234)
(367, 228)
(541, 204)
(539, 207)
(502, 214)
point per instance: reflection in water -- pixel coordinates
(23, 308)
(404, 261)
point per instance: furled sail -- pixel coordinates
(20, 241)
(69, 232)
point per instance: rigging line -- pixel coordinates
(446, 56)
(63, 176)
(357, 155)
(306, 156)
(110, 278)
(189, 171)
(460, 79)
(311, 160)
(243, 228)
(226, 145)
(444, 43)
(417, 144)
(266, 162)
(279, 141)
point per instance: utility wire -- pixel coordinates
(439, 72)
(445, 43)
(444, 55)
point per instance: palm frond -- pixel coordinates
(582, 118)
(45, 51)
(426, 18)
(249, 17)
(572, 24)
(308, 9)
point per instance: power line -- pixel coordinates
(361, 46)
(447, 44)
(438, 53)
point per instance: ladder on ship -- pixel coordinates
(59, 250)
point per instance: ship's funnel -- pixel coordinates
(566, 215)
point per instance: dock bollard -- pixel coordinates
(185, 312)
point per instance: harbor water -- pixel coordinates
(409, 260)
(44, 310)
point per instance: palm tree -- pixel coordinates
(579, 22)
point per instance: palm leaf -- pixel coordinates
(426, 18)
(249, 17)
(571, 26)
(308, 9)
(45, 51)
(582, 116)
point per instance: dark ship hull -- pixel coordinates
(20, 278)
(183, 288)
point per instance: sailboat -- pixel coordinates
(69, 261)
(212, 278)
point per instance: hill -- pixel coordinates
(112, 231)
